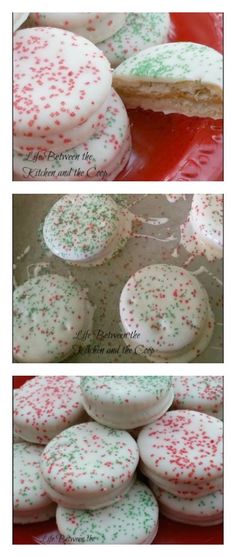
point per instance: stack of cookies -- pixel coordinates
(67, 117)
(76, 455)
(69, 124)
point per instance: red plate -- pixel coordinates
(169, 532)
(175, 147)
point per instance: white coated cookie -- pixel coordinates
(182, 453)
(49, 313)
(60, 82)
(140, 31)
(91, 25)
(89, 466)
(203, 511)
(179, 77)
(169, 310)
(202, 233)
(126, 402)
(201, 393)
(101, 157)
(31, 502)
(87, 229)
(47, 405)
(133, 520)
(16, 437)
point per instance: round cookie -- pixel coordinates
(201, 393)
(202, 233)
(203, 511)
(133, 520)
(49, 314)
(45, 406)
(140, 31)
(93, 26)
(31, 503)
(60, 82)
(89, 466)
(182, 453)
(86, 229)
(126, 402)
(169, 310)
(19, 19)
(102, 157)
(181, 77)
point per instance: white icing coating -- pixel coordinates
(87, 229)
(60, 81)
(126, 402)
(202, 511)
(102, 157)
(49, 313)
(45, 406)
(182, 453)
(140, 31)
(95, 26)
(88, 466)
(31, 503)
(201, 393)
(202, 233)
(169, 309)
(133, 520)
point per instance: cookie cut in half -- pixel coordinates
(180, 77)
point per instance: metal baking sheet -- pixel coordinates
(159, 243)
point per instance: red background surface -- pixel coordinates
(169, 532)
(175, 147)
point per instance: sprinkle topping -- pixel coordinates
(183, 446)
(45, 406)
(123, 390)
(201, 393)
(130, 521)
(167, 305)
(89, 457)
(175, 62)
(101, 157)
(29, 493)
(140, 31)
(48, 313)
(56, 74)
(79, 227)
